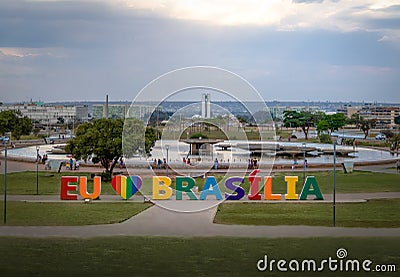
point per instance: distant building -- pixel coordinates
(49, 114)
(384, 115)
(348, 110)
(122, 110)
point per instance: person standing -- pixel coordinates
(216, 164)
(398, 166)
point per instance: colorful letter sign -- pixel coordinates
(127, 186)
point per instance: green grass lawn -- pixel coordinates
(24, 183)
(374, 213)
(69, 213)
(358, 181)
(49, 182)
(142, 256)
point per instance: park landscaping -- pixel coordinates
(141, 256)
(69, 213)
(24, 183)
(382, 213)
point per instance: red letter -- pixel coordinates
(66, 187)
(254, 193)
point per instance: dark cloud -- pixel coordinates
(89, 49)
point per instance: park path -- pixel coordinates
(158, 221)
(164, 221)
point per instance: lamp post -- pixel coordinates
(304, 162)
(166, 165)
(334, 183)
(37, 170)
(5, 141)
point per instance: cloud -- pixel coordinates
(68, 50)
(14, 52)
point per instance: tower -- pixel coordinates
(105, 109)
(206, 106)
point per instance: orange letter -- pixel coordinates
(96, 187)
(268, 190)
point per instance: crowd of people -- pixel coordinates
(252, 164)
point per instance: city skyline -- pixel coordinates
(289, 50)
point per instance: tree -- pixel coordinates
(395, 142)
(363, 124)
(151, 136)
(133, 137)
(60, 120)
(322, 126)
(242, 119)
(138, 140)
(397, 120)
(303, 120)
(335, 121)
(14, 122)
(101, 138)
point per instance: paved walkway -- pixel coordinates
(158, 221)
(328, 198)
(18, 166)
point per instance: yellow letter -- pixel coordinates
(291, 187)
(161, 184)
(268, 190)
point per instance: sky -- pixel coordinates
(299, 50)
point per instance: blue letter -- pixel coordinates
(211, 187)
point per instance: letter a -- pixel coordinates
(210, 187)
(307, 190)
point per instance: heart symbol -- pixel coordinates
(126, 186)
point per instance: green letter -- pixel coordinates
(307, 190)
(188, 188)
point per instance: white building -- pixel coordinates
(49, 114)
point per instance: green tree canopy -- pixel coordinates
(303, 120)
(138, 140)
(363, 124)
(151, 136)
(322, 126)
(335, 121)
(14, 122)
(101, 138)
(133, 137)
(397, 120)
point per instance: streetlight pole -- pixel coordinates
(167, 148)
(334, 183)
(5, 141)
(37, 170)
(304, 162)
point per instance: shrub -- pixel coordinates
(325, 138)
